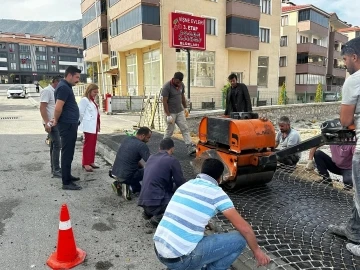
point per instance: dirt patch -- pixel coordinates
(103, 265)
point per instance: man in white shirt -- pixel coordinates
(349, 115)
(47, 108)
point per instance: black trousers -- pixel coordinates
(68, 135)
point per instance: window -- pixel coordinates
(357, 34)
(237, 25)
(68, 50)
(114, 61)
(92, 40)
(212, 0)
(53, 59)
(12, 57)
(113, 2)
(52, 49)
(317, 41)
(131, 75)
(254, 2)
(282, 80)
(80, 60)
(40, 49)
(92, 12)
(152, 72)
(304, 58)
(239, 76)
(2, 46)
(13, 66)
(25, 66)
(263, 64)
(11, 47)
(24, 48)
(283, 61)
(265, 6)
(284, 20)
(140, 15)
(41, 57)
(309, 79)
(25, 57)
(304, 39)
(312, 15)
(202, 67)
(3, 55)
(264, 35)
(211, 26)
(81, 68)
(42, 66)
(53, 68)
(283, 41)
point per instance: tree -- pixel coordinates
(319, 93)
(282, 96)
(45, 81)
(224, 91)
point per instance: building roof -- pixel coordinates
(286, 9)
(32, 39)
(350, 29)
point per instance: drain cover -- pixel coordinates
(9, 118)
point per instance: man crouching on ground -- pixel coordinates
(162, 175)
(179, 239)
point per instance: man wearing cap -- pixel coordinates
(175, 108)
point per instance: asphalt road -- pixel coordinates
(109, 229)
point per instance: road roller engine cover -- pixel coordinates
(246, 146)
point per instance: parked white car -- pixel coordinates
(16, 91)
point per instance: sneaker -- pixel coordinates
(126, 192)
(116, 188)
(145, 216)
(71, 186)
(354, 249)
(341, 230)
(57, 175)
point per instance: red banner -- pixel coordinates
(186, 31)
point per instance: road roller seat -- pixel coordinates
(244, 115)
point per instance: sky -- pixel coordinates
(65, 10)
(347, 10)
(40, 10)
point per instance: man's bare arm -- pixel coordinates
(312, 153)
(183, 101)
(347, 115)
(58, 109)
(43, 112)
(166, 105)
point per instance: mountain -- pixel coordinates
(68, 32)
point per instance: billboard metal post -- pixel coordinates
(188, 73)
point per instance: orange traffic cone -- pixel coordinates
(67, 255)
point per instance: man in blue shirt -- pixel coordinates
(162, 175)
(127, 168)
(179, 238)
(66, 117)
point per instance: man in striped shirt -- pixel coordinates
(179, 239)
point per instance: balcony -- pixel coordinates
(93, 54)
(242, 9)
(124, 6)
(310, 69)
(138, 37)
(86, 4)
(313, 28)
(340, 37)
(312, 49)
(241, 42)
(93, 25)
(306, 88)
(339, 72)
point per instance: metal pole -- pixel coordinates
(100, 45)
(188, 72)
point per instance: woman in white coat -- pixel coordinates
(90, 125)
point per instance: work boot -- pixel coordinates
(354, 249)
(341, 230)
(191, 149)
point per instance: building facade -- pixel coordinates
(26, 58)
(128, 41)
(351, 32)
(310, 46)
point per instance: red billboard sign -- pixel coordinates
(186, 31)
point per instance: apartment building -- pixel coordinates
(26, 58)
(351, 32)
(129, 43)
(310, 51)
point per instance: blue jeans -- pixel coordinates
(213, 252)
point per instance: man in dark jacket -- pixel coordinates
(237, 97)
(127, 168)
(162, 176)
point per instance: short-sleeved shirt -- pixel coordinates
(351, 96)
(174, 95)
(70, 113)
(130, 152)
(47, 96)
(291, 139)
(342, 155)
(188, 212)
